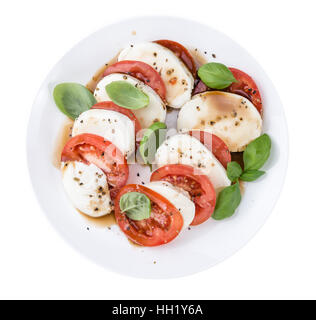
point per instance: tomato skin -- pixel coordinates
(200, 87)
(246, 87)
(181, 52)
(159, 235)
(216, 145)
(90, 148)
(109, 105)
(202, 193)
(142, 71)
(201, 215)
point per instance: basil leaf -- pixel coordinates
(136, 205)
(126, 95)
(152, 139)
(73, 98)
(234, 171)
(251, 175)
(227, 202)
(216, 75)
(257, 153)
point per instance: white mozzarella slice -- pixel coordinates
(155, 111)
(184, 149)
(177, 78)
(111, 125)
(87, 188)
(178, 197)
(229, 116)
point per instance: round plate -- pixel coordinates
(196, 249)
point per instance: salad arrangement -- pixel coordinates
(122, 121)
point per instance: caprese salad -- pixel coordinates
(195, 172)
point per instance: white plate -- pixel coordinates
(202, 246)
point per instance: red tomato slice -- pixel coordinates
(197, 185)
(90, 148)
(142, 71)
(216, 145)
(246, 87)
(164, 224)
(181, 52)
(109, 105)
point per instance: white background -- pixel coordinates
(279, 263)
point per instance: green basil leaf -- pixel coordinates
(216, 75)
(257, 153)
(251, 175)
(126, 95)
(136, 205)
(152, 139)
(227, 202)
(73, 98)
(234, 171)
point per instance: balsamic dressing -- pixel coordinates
(102, 222)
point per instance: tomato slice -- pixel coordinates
(164, 224)
(90, 148)
(246, 87)
(142, 71)
(181, 52)
(215, 144)
(199, 187)
(109, 105)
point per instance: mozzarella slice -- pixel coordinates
(155, 111)
(177, 78)
(178, 197)
(87, 188)
(231, 117)
(111, 125)
(184, 149)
